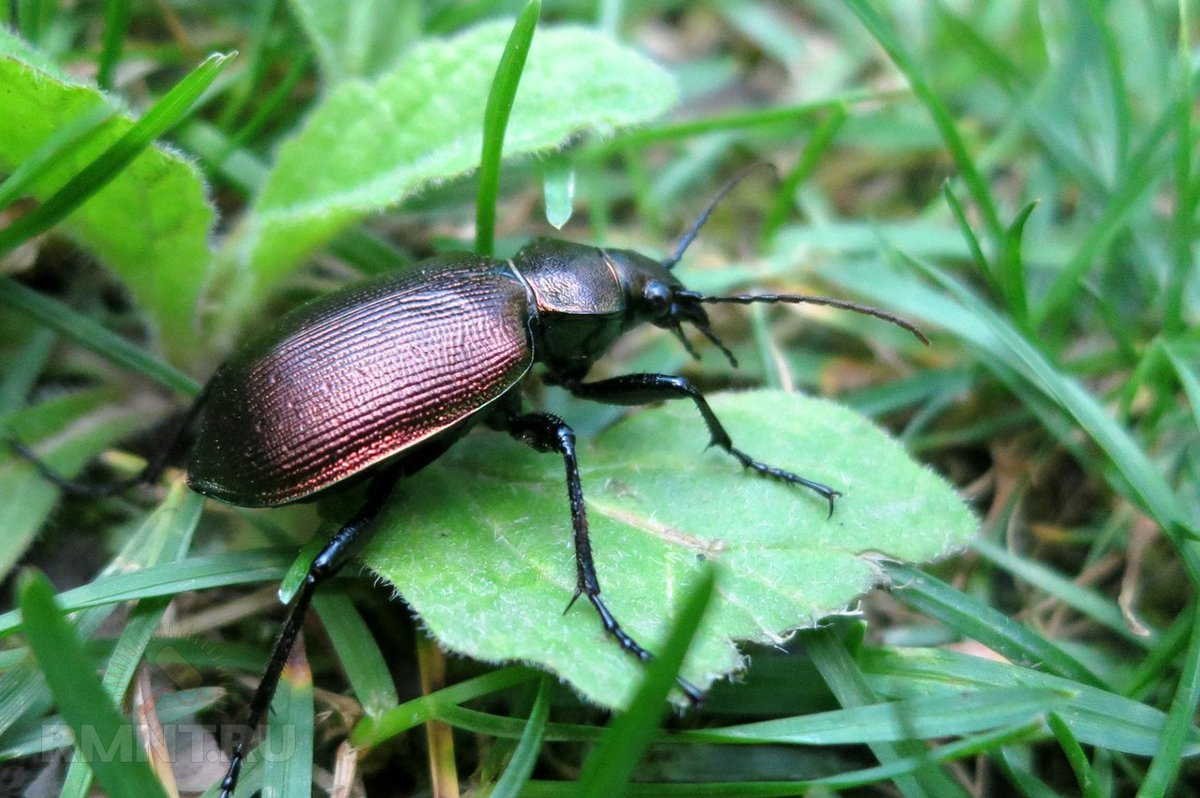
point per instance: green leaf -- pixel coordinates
(150, 223)
(106, 740)
(422, 121)
(478, 544)
(357, 39)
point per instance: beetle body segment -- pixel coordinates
(358, 376)
(373, 370)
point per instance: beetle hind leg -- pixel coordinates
(639, 389)
(549, 433)
(156, 463)
(324, 566)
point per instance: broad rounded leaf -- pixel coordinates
(479, 544)
(369, 144)
(150, 224)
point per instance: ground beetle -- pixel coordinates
(378, 379)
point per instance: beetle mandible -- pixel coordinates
(378, 379)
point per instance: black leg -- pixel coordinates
(549, 433)
(324, 566)
(638, 389)
(153, 469)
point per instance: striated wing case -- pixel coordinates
(357, 376)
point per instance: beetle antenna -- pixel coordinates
(690, 236)
(795, 299)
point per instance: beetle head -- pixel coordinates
(655, 295)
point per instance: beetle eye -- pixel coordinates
(657, 296)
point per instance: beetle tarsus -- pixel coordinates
(638, 389)
(780, 475)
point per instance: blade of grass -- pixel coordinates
(1018, 771)
(1182, 263)
(288, 757)
(1165, 767)
(96, 724)
(520, 767)
(22, 372)
(91, 335)
(980, 622)
(52, 733)
(248, 82)
(631, 139)
(116, 24)
(168, 112)
(269, 105)
(1075, 756)
(971, 746)
(1149, 487)
(1087, 601)
(850, 688)
(192, 574)
(887, 38)
(1011, 269)
(1187, 378)
(913, 719)
(22, 687)
(359, 653)
(1096, 717)
(1143, 171)
(1146, 675)
(610, 764)
(810, 158)
(167, 534)
(495, 121)
(371, 731)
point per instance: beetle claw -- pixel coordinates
(571, 603)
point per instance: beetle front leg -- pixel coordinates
(324, 566)
(549, 433)
(638, 389)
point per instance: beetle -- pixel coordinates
(376, 380)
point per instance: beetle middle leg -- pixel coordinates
(549, 433)
(638, 389)
(344, 543)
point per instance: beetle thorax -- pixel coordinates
(578, 301)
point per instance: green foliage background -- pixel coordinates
(1019, 177)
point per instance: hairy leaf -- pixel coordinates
(368, 145)
(150, 224)
(479, 544)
